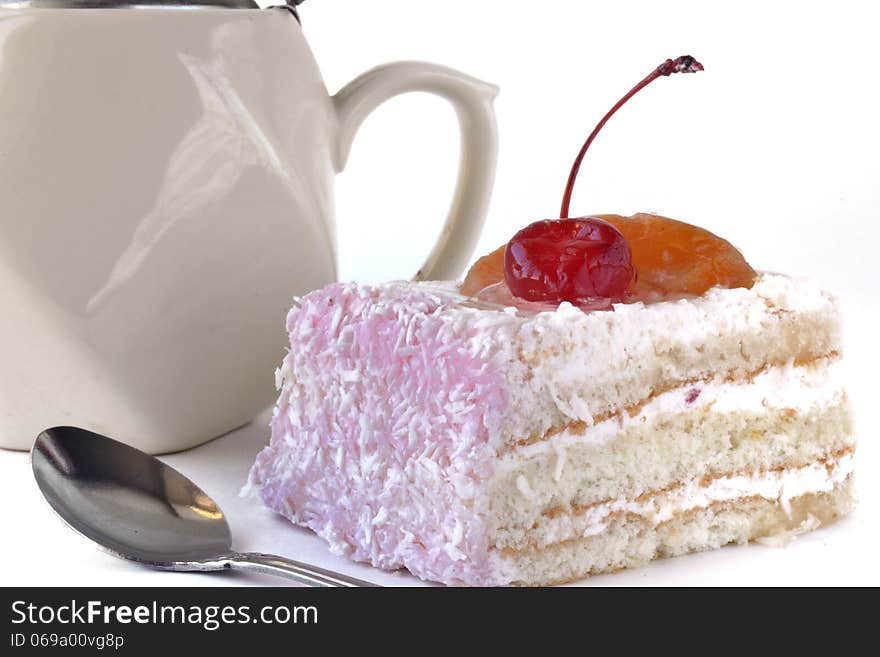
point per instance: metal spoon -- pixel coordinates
(138, 508)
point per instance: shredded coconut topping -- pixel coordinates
(396, 401)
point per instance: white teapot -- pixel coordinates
(166, 176)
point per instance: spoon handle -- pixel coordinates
(303, 573)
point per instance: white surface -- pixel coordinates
(773, 146)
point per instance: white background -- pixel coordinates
(775, 147)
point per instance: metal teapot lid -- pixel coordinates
(135, 4)
(144, 4)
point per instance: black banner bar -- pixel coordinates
(129, 621)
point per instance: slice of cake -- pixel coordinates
(487, 447)
(599, 392)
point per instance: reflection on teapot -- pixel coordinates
(166, 188)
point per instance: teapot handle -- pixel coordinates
(472, 100)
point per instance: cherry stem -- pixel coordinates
(684, 64)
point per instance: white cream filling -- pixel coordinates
(783, 486)
(801, 388)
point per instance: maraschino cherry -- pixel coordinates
(578, 260)
(568, 260)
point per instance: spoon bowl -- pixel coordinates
(138, 508)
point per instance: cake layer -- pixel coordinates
(569, 366)
(799, 386)
(660, 505)
(630, 540)
(790, 415)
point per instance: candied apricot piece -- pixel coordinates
(675, 259)
(486, 271)
(672, 259)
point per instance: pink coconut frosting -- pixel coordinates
(380, 437)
